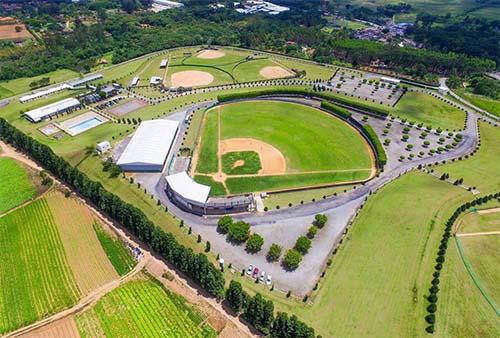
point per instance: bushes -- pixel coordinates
(238, 232)
(302, 245)
(274, 252)
(196, 266)
(312, 231)
(372, 136)
(320, 220)
(254, 243)
(292, 259)
(235, 296)
(224, 224)
(342, 112)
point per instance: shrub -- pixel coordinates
(336, 109)
(302, 245)
(312, 231)
(320, 220)
(254, 243)
(239, 231)
(292, 259)
(274, 252)
(379, 149)
(224, 224)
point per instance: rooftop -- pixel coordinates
(185, 186)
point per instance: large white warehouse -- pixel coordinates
(149, 147)
(39, 114)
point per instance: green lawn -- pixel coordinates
(420, 107)
(476, 222)
(207, 161)
(142, 308)
(220, 77)
(313, 71)
(490, 105)
(309, 139)
(35, 278)
(249, 70)
(483, 169)
(251, 163)
(116, 251)
(16, 187)
(217, 189)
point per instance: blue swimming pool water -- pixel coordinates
(84, 125)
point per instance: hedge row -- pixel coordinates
(304, 92)
(336, 109)
(370, 133)
(430, 318)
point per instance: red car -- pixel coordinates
(255, 272)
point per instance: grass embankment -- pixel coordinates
(142, 307)
(15, 186)
(35, 279)
(480, 101)
(116, 251)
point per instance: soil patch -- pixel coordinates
(238, 163)
(8, 32)
(274, 72)
(271, 159)
(62, 328)
(210, 54)
(191, 78)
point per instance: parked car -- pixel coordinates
(262, 276)
(250, 269)
(269, 280)
(255, 272)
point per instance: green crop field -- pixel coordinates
(251, 163)
(35, 278)
(141, 308)
(420, 107)
(16, 187)
(116, 251)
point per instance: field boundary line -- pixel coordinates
(481, 233)
(475, 279)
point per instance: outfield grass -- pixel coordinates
(313, 71)
(279, 182)
(476, 222)
(21, 85)
(35, 278)
(217, 189)
(309, 139)
(483, 169)
(250, 70)
(220, 77)
(116, 251)
(15, 187)
(141, 308)
(420, 107)
(251, 163)
(480, 101)
(207, 161)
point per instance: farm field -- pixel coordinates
(16, 187)
(142, 307)
(325, 150)
(420, 107)
(480, 101)
(32, 234)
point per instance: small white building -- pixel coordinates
(164, 63)
(134, 82)
(443, 90)
(149, 147)
(155, 80)
(103, 147)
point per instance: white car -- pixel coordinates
(269, 280)
(262, 276)
(250, 269)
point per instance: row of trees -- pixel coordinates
(430, 318)
(239, 232)
(196, 266)
(260, 313)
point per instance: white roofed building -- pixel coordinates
(86, 79)
(42, 113)
(148, 149)
(186, 193)
(43, 93)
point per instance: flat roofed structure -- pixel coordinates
(164, 63)
(148, 149)
(39, 114)
(390, 80)
(42, 93)
(155, 80)
(84, 80)
(134, 82)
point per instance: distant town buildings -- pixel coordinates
(255, 6)
(391, 32)
(161, 5)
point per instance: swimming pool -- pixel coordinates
(85, 125)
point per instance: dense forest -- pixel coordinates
(127, 30)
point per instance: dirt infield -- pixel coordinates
(8, 32)
(271, 159)
(210, 54)
(127, 107)
(274, 72)
(191, 78)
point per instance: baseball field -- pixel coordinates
(271, 145)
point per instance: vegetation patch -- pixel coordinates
(216, 188)
(241, 163)
(15, 187)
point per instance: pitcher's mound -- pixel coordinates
(191, 78)
(210, 54)
(274, 72)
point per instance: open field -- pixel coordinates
(142, 307)
(480, 101)
(84, 253)
(326, 149)
(15, 187)
(477, 222)
(420, 107)
(21, 85)
(8, 32)
(36, 279)
(217, 189)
